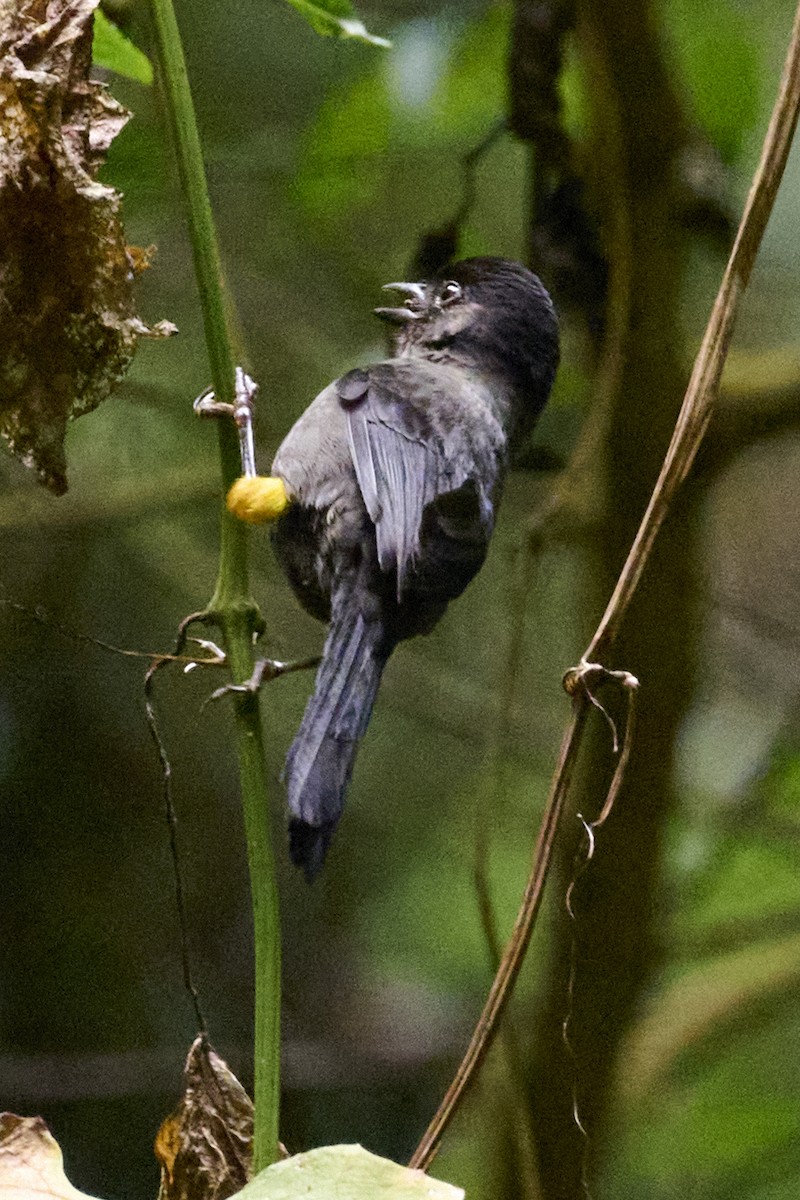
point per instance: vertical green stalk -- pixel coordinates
(231, 607)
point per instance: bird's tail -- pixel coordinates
(320, 761)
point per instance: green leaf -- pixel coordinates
(336, 18)
(344, 1173)
(112, 50)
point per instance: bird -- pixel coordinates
(393, 476)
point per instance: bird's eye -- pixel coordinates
(450, 292)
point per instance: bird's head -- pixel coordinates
(488, 314)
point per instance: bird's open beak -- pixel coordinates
(396, 316)
(399, 316)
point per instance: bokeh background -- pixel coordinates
(328, 162)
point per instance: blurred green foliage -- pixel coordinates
(327, 161)
(719, 60)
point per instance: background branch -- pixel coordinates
(688, 434)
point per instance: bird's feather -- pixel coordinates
(401, 462)
(320, 760)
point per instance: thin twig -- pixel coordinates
(583, 856)
(41, 617)
(269, 670)
(469, 165)
(500, 992)
(689, 430)
(172, 819)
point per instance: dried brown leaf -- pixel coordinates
(204, 1147)
(31, 1165)
(66, 276)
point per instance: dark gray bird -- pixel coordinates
(395, 473)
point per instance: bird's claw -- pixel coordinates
(207, 405)
(264, 670)
(215, 655)
(242, 409)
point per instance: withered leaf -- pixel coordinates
(66, 277)
(205, 1147)
(31, 1165)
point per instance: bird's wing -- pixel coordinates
(403, 457)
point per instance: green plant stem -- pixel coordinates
(231, 607)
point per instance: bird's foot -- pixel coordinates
(264, 670)
(242, 409)
(253, 498)
(214, 655)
